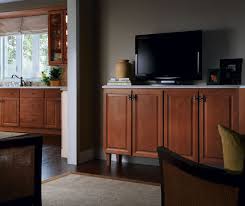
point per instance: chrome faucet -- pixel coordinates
(22, 82)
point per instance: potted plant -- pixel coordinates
(45, 77)
(55, 76)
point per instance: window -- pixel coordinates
(25, 55)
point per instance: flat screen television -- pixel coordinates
(169, 56)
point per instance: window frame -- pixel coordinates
(19, 56)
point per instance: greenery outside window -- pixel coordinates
(25, 55)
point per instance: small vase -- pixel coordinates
(55, 83)
(122, 69)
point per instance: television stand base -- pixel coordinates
(167, 82)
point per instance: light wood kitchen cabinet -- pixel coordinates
(217, 106)
(52, 109)
(9, 107)
(181, 122)
(57, 37)
(32, 108)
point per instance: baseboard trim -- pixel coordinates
(85, 156)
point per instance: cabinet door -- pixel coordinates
(10, 112)
(181, 122)
(32, 112)
(117, 121)
(53, 113)
(147, 122)
(219, 106)
(56, 37)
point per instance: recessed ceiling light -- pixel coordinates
(8, 1)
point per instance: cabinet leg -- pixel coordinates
(108, 160)
(119, 159)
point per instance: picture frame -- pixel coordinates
(231, 71)
(214, 77)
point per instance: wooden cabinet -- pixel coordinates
(117, 121)
(147, 122)
(136, 121)
(10, 112)
(57, 37)
(52, 109)
(217, 106)
(9, 107)
(133, 122)
(32, 108)
(181, 122)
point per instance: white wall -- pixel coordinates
(221, 20)
(72, 11)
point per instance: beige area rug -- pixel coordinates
(83, 190)
(10, 134)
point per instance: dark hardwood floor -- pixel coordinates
(53, 165)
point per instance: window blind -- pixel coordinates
(30, 24)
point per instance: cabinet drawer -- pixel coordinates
(10, 93)
(52, 93)
(33, 93)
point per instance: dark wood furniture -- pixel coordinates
(20, 166)
(57, 37)
(30, 110)
(187, 183)
(137, 121)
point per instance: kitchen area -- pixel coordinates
(33, 73)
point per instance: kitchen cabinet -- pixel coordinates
(9, 107)
(30, 110)
(57, 33)
(52, 109)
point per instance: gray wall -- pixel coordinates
(29, 4)
(222, 21)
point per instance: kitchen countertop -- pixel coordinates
(201, 86)
(63, 88)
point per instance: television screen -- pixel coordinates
(169, 55)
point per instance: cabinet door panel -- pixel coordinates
(10, 112)
(53, 113)
(117, 122)
(147, 122)
(181, 122)
(220, 107)
(32, 112)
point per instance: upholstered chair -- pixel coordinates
(187, 183)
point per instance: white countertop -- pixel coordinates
(34, 87)
(201, 86)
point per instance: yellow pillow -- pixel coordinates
(233, 149)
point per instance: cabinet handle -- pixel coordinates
(130, 97)
(134, 97)
(203, 99)
(195, 98)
